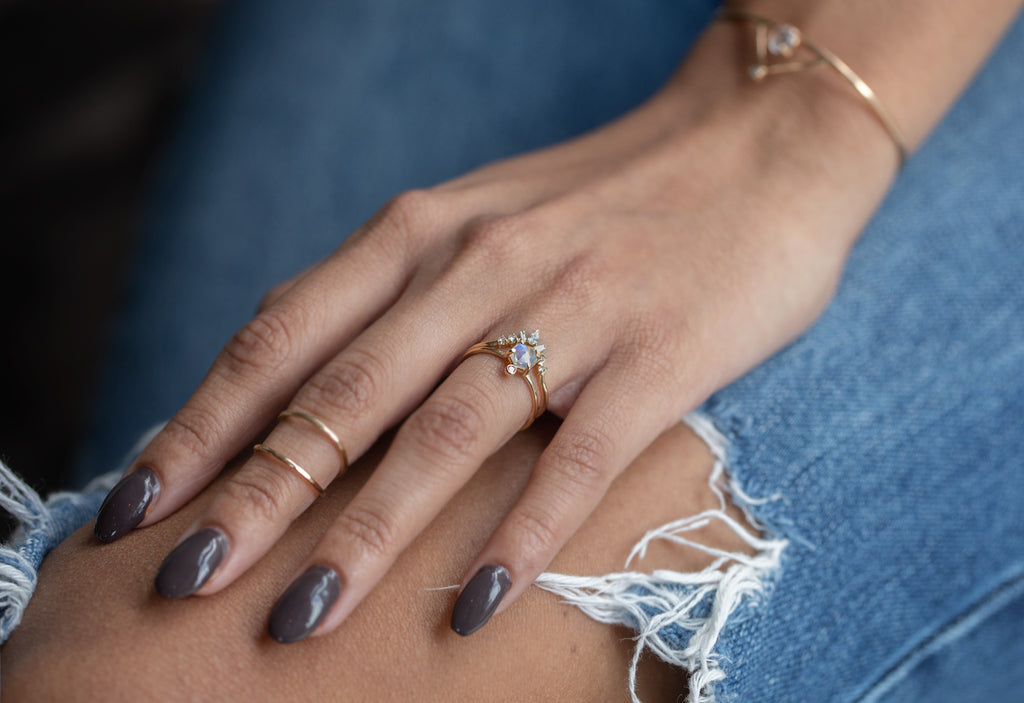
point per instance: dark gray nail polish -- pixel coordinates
(191, 563)
(480, 598)
(304, 604)
(126, 505)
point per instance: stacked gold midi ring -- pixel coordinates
(524, 357)
(326, 431)
(285, 461)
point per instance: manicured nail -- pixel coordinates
(303, 606)
(191, 563)
(479, 599)
(126, 505)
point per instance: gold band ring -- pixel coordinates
(324, 429)
(523, 355)
(282, 459)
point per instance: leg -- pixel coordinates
(95, 610)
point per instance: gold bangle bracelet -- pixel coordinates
(782, 40)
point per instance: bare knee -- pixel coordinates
(97, 630)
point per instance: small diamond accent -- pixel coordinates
(783, 39)
(510, 370)
(534, 338)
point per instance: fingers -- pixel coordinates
(441, 445)
(278, 291)
(615, 418)
(358, 394)
(252, 378)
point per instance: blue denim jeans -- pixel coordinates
(882, 452)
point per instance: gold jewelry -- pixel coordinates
(282, 459)
(324, 429)
(524, 357)
(777, 39)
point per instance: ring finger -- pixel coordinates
(439, 447)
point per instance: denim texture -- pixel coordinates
(890, 435)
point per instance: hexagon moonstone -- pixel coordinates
(523, 356)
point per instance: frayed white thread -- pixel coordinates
(17, 574)
(651, 603)
(40, 526)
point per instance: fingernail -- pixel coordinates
(479, 599)
(191, 563)
(126, 505)
(303, 606)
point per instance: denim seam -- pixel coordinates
(1010, 588)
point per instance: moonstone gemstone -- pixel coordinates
(523, 357)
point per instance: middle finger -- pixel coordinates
(436, 451)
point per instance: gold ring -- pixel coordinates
(524, 357)
(281, 458)
(324, 429)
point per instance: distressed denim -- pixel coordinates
(882, 452)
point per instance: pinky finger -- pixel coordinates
(598, 439)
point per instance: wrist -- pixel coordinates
(818, 105)
(809, 131)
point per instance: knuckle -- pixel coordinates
(273, 294)
(534, 533)
(370, 526)
(447, 427)
(410, 213)
(575, 283)
(258, 491)
(486, 240)
(652, 345)
(264, 343)
(582, 459)
(196, 429)
(349, 385)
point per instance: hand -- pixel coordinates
(661, 257)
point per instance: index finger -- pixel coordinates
(252, 378)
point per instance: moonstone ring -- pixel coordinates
(523, 355)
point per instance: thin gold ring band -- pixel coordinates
(529, 366)
(282, 459)
(324, 429)
(535, 412)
